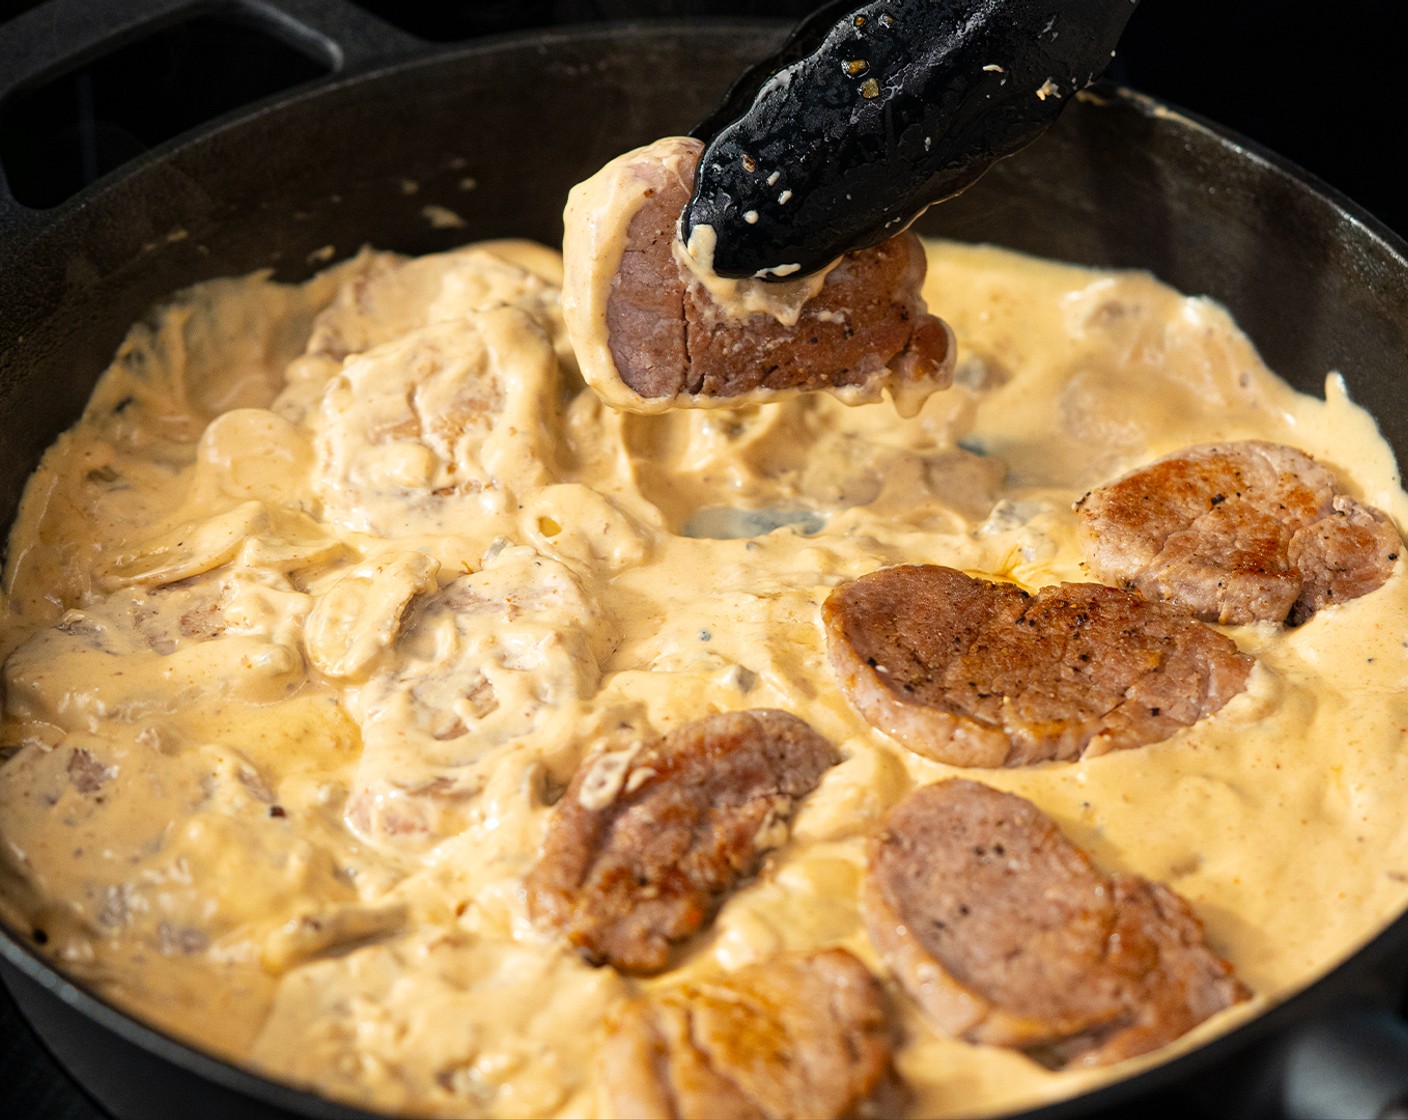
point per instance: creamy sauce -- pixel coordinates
(783, 300)
(331, 589)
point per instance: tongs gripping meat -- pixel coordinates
(871, 113)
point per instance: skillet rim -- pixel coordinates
(1315, 997)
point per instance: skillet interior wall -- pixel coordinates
(1228, 59)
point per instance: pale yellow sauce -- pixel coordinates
(299, 645)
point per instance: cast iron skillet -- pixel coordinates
(1120, 181)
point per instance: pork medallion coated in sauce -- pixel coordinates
(647, 841)
(976, 673)
(667, 339)
(451, 680)
(797, 1036)
(1237, 532)
(1005, 933)
(444, 427)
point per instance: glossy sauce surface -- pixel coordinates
(324, 599)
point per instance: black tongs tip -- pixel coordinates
(869, 114)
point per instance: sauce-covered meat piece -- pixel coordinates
(802, 1036)
(442, 428)
(1005, 933)
(650, 334)
(1237, 532)
(975, 673)
(647, 841)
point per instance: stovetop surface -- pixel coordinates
(1324, 96)
(32, 1085)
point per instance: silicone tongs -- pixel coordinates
(871, 113)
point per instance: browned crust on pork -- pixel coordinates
(1236, 533)
(628, 875)
(1005, 933)
(667, 337)
(795, 1036)
(976, 673)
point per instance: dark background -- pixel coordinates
(1323, 85)
(1318, 83)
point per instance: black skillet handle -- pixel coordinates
(59, 35)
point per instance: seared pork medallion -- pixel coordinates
(1005, 933)
(648, 840)
(798, 1036)
(652, 325)
(1237, 532)
(976, 673)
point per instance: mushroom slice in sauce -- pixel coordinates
(976, 673)
(788, 1037)
(1004, 932)
(654, 328)
(1237, 532)
(647, 841)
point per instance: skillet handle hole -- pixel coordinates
(58, 137)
